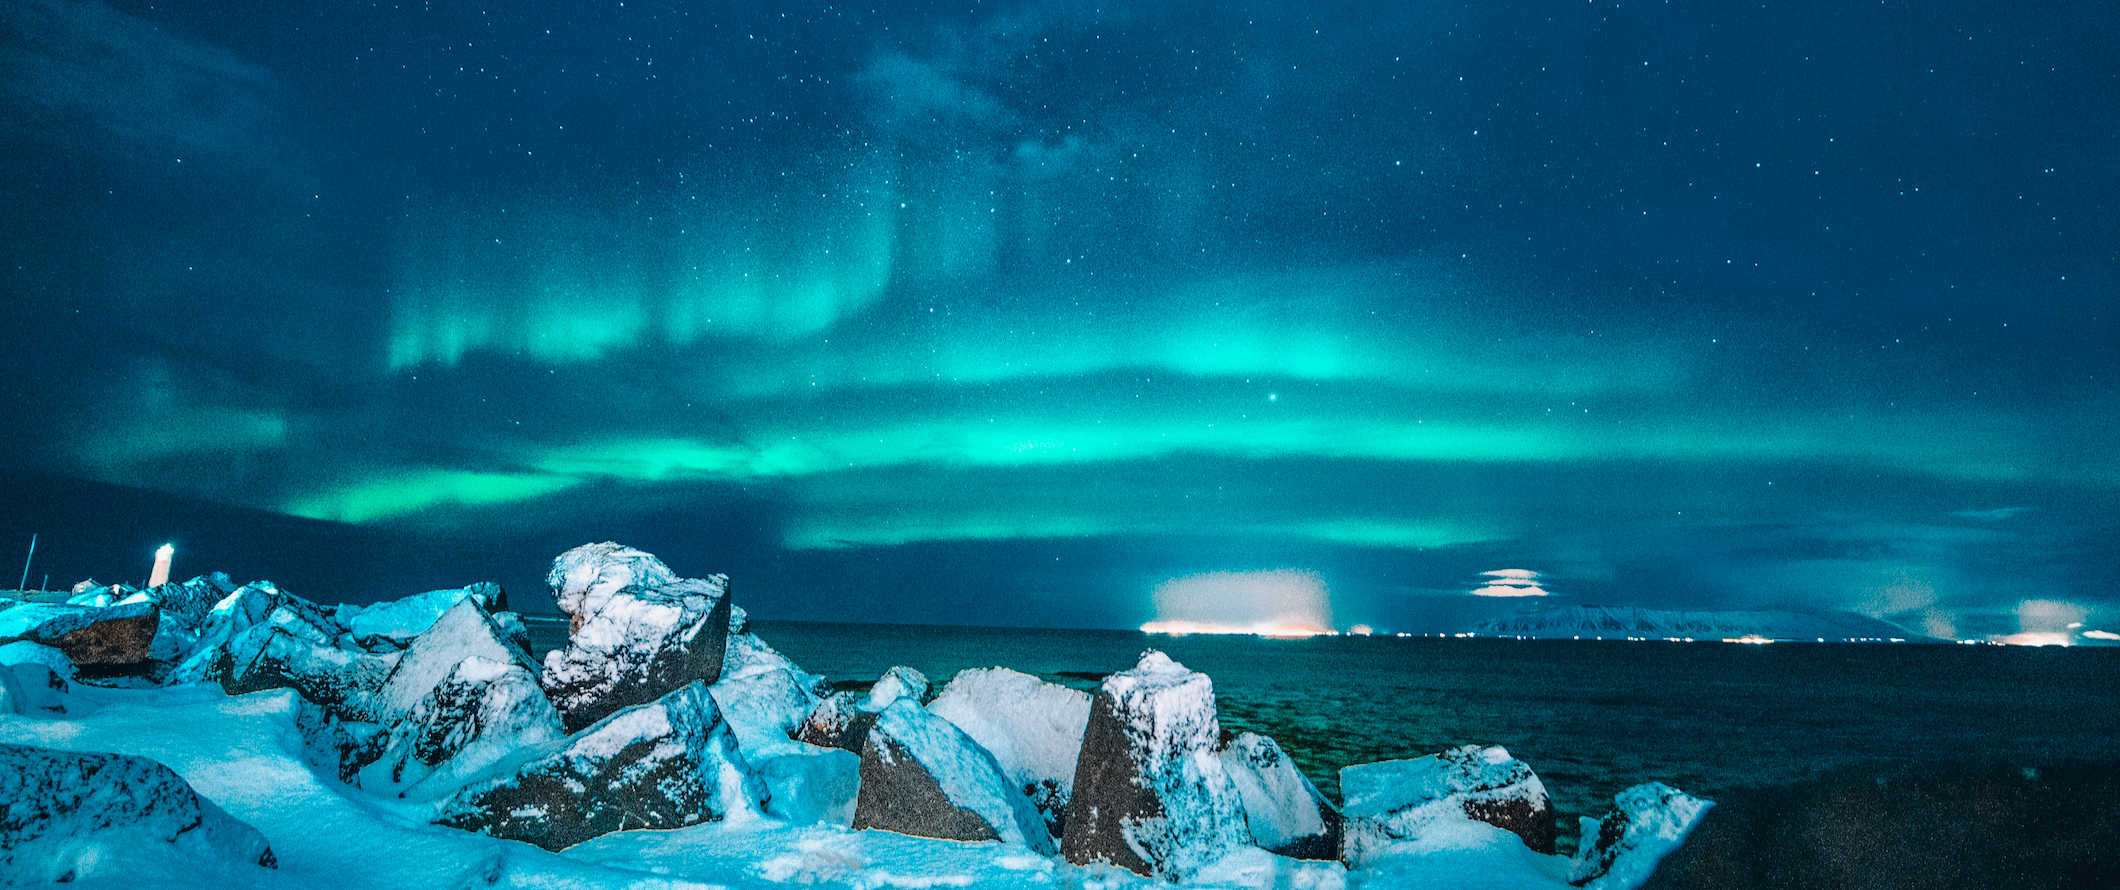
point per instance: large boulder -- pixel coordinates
(483, 712)
(1398, 800)
(665, 764)
(637, 632)
(395, 623)
(1621, 850)
(922, 776)
(108, 639)
(1284, 812)
(1150, 793)
(204, 652)
(272, 657)
(586, 577)
(66, 816)
(462, 697)
(765, 709)
(1033, 729)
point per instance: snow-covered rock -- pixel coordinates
(665, 764)
(109, 638)
(1621, 850)
(586, 577)
(23, 652)
(480, 714)
(637, 633)
(922, 776)
(1398, 800)
(1033, 729)
(1150, 792)
(203, 652)
(270, 656)
(842, 720)
(1283, 810)
(896, 683)
(69, 816)
(41, 676)
(465, 630)
(837, 721)
(394, 623)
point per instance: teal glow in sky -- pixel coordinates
(1040, 307)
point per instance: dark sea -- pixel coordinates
(1589, 717)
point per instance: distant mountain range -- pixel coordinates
(1622, 622)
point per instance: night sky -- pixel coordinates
(1012, 313)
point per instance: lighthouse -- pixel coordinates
(160, 575)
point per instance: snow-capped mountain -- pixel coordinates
(1622, 622)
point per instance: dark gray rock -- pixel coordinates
(1150, 793)
(922, 776)
(101, 640)
(665, 764)
(638, 633)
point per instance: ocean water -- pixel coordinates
(1589, 717)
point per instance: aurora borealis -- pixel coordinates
(1012, 313)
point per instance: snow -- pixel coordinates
(1280, 805)
(584, 578)
(398, 621)
(762, 707)
(1032, 728)
(898, 682)
(23, 652)
(810, 785)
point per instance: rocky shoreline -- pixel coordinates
(664, 710)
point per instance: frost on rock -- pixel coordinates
(394, 623)
(637, 631)
(1033, 729)
(1150, 793)
(1398, 800)
(922, 776)
(898, 682)
(665, 764)
(479, 715)
(1621, 850)
(104, 638)
(466, 630)
(1283, 810)
(586, 577)
(271, 657)
(203, 652)
(69, 816)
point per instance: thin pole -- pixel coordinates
(25, 561)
